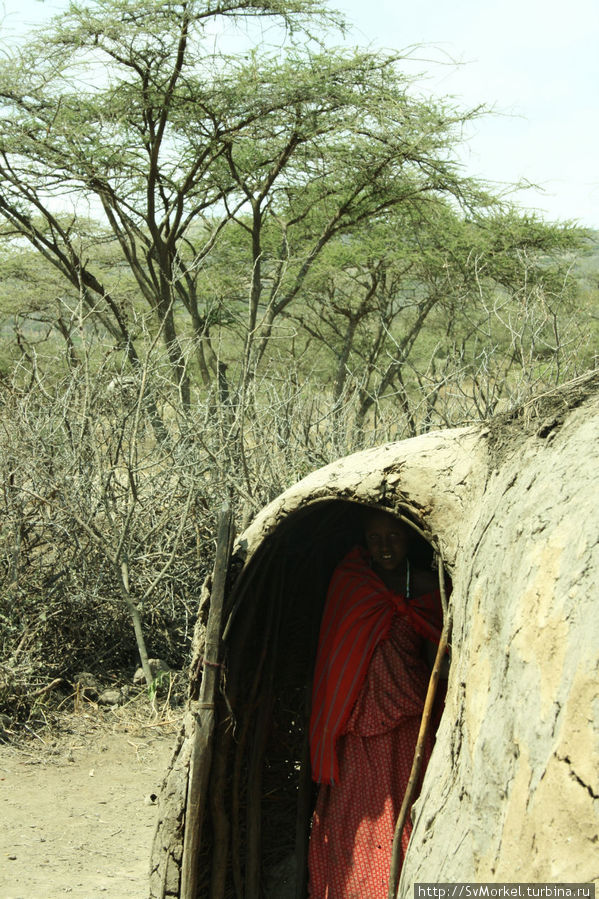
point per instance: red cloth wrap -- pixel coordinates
(357, 616)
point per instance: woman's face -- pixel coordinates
(387, 540)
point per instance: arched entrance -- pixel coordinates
(261, 791)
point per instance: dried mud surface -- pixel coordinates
(77, 810)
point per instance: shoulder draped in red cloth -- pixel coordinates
(357, 616)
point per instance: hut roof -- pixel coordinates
(435, 477)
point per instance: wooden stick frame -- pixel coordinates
(202, 713)
(425, 723)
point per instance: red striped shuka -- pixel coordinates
(369, 687)
(357, 616)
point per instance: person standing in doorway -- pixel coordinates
(370, 682)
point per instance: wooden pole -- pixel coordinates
(396, 856)
(202, 713)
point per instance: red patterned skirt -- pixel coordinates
(354, 820)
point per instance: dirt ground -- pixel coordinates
(78, 809)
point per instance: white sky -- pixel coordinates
(536, 62)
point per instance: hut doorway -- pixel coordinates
(261, 795)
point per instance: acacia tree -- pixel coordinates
(135, 109)
(428, 285)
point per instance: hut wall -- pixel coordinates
(512, 791)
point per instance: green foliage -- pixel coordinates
(177, 142)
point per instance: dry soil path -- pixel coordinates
(76, 811)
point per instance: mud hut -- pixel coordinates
(512, 789)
